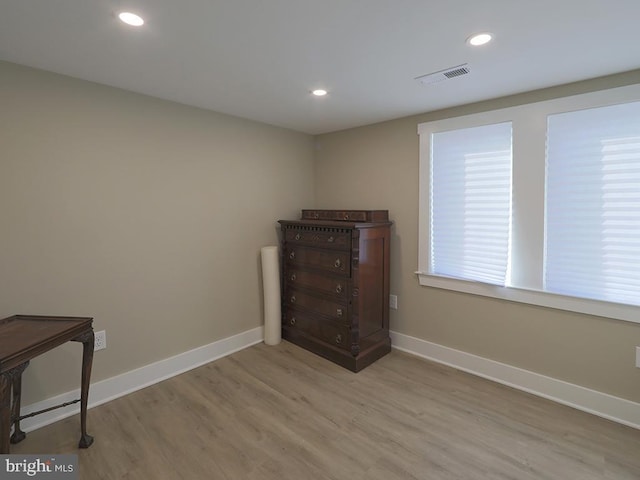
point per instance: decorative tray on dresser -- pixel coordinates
(335, 284)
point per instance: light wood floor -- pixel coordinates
(283, 413)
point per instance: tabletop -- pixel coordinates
(23, 337)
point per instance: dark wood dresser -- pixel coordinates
(335, 284)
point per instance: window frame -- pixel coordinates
(529, 123)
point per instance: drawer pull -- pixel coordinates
(292, 255)
(330, 239)
(293, 299)
(297, 237)
(338, 338)
(337, 263)
(292, 321)
(346, 216)
(338, 288)
(293, 277)
(339, 312)
(316, 215)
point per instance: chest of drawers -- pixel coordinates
(335, 284)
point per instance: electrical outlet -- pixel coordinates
(638, 357)
(393, 302)
(100, 340)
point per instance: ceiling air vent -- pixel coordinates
(446, 74)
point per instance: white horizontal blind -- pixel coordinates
(471, 203)
(593, 204)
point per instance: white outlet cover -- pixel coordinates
(393, 302)
(100, 340)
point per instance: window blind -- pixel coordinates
(592, 212)
(471, 203)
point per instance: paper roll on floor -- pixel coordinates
(271, 289)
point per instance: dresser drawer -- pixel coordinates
(318, 237)
(337, 287)
(335, 262)
(331, 309)
(330, 332)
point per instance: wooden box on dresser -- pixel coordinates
(335, 284)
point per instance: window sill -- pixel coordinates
(617, 311)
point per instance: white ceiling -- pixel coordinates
(259, 59)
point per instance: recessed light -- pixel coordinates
(319, 92)
(479, 39)
(131, 19)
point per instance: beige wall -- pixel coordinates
(377, 167)
(145, 214)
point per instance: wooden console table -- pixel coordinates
(23, 337)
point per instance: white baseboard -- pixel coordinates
(120, 385)
(604, 405)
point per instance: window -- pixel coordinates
(561, 200)
(593, 204)
(471, 203)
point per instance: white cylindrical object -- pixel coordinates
(271, 288)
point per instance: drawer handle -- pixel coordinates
(292, 321)
(292, 255)
(293, 299)
(338, 338)
(337, 263)
(316, 215)
(339, 312)
(346, 216)
(297, 237)
(293, 277)
(338, 288)
(330, 239)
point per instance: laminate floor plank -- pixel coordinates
(280, 412)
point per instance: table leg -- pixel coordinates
(18, 435)
(87, 340)
(5, 411)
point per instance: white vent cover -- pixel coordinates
(446, 74)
